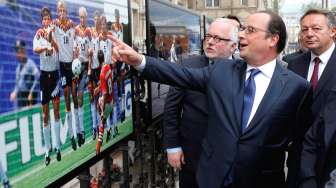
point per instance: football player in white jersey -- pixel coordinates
(82, 45)
(117, 29)
(94, 72)
(65, 36)
(45, 45)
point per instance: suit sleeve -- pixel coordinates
(172, 116)
(309, 155)
(176, 75)
(300, 127)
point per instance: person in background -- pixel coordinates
(186, 111)
(318, 66)
(301, 50)
(117, 27)
(26, 79)
(236, 20)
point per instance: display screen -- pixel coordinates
(174, 35)
(23, 130)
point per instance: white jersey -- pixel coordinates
(95, 48)
(65, 38)
(118, 34)
(48, 62)
(117, 31)
(106, 47)
(82, 42)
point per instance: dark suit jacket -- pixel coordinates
(257, 156)
(289, 57)
(319, 148)
(300, 65)
(185, 118)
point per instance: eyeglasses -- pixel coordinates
(216, 39)
(250, 29)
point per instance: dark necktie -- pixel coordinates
(249, 93)
(314, 78)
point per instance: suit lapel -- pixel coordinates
(303, 66)
(238, 82)
(328, 73)
(274, 90)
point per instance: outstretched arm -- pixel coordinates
(161, 71)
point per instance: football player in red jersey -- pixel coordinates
(106, 100)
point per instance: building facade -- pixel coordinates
(240, 8)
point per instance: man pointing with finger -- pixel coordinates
(254, 106)
(185, 114)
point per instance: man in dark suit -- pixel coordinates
(185, 115)
(253, 106)
(317, 36)
(318, 158)
(317, 66)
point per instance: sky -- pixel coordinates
(290, 6)
(294, 6)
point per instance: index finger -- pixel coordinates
(117, 41)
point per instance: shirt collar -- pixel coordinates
(267, 69)
(325, 56)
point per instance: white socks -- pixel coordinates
(123, 104)
(46, 137)
(57, 128)
(81, 120)
(94, 115)
(77, 121)
(69, 121)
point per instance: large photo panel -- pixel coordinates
(23, 76)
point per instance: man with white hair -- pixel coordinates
(185, 115)
(82, 44)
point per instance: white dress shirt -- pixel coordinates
(262, 81)
(324, 57)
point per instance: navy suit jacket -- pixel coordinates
(289, 57)
(318, 158)
(256, 157)
(300, 65)
(186, 118)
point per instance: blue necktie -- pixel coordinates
(249, 93)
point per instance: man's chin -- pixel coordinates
(210, 55)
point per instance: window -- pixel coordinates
(212, 3)
(244, 2)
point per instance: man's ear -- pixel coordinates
(234, 46)
(333, 32)
(274, 40)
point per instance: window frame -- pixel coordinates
(212, 4)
